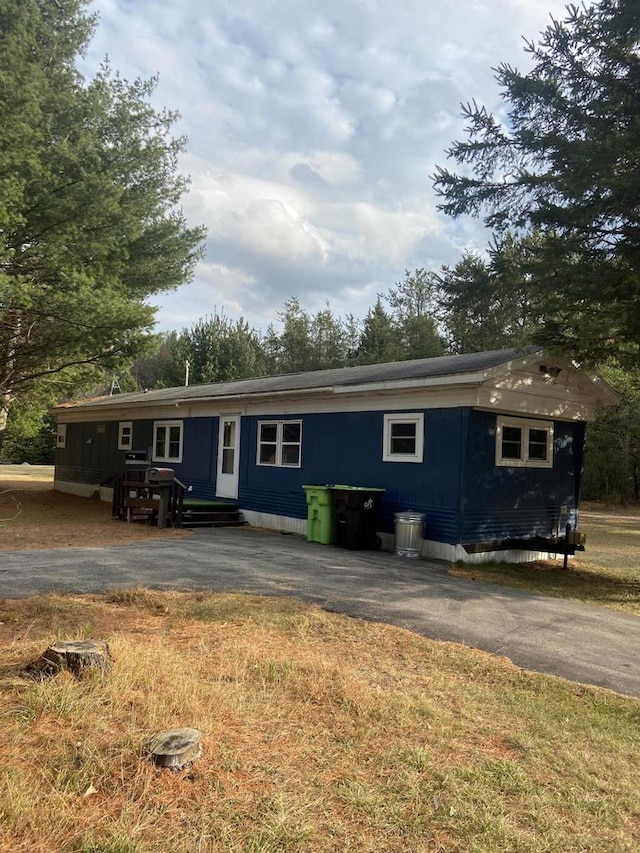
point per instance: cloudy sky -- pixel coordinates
(314, 127)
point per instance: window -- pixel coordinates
(167, 441)
(125, 435)
(403, 439)
(61, 436)
(524, 443)
(280, 443)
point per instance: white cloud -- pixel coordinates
(313, 131)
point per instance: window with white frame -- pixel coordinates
(125, 435)
(403, 438)
(167, 441)
(524, 442)
(280, 443)
(61, 436)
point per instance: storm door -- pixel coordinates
(228, 456)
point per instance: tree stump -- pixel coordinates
(77, 656)
(175, 748)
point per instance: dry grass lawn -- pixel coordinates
(33, 515)
(322, 733)
(607, 573)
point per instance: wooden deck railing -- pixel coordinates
(136, 500)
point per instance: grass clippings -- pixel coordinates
(321, 733)
(607, 573)
(34, 516)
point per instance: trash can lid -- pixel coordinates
(409, 516)
(355, 488)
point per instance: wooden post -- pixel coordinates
(163, 508)
(567, 531)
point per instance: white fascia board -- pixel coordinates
(255, 405)
(185, 406)
(169, 408)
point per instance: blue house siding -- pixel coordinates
(91, 454)
(465, 496)
(347, 448)
(503, 501)
(199, 455)
(470, 503)
(199, 452)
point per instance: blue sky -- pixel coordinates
(313, 130)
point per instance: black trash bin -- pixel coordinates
(355, 517)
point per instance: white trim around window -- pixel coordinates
(279, 444)
(61, 436)
(125, 435)
(524, 443)
(167, 441)
(403, 437)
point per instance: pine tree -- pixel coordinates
(566, 162)
(89, 192)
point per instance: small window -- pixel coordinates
(403, 438)
(524, 443)
(280, 443)
(125, 435)
(167, 441)
(61, 436)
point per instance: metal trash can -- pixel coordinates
(408, 534)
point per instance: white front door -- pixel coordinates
(228, 456)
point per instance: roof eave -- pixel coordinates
(168, 401)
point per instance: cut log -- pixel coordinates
(175, 748)
(77, 656)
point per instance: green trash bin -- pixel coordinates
(319, 514)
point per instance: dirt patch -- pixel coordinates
(34, 516)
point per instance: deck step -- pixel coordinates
(136, 500)
(211, 513)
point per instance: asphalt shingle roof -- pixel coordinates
(343, 377)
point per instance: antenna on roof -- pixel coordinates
(115, 387)
(186, 371)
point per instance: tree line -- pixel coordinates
(465, 308)
(91, 229)
(476, 305)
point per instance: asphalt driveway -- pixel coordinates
(579, 642)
